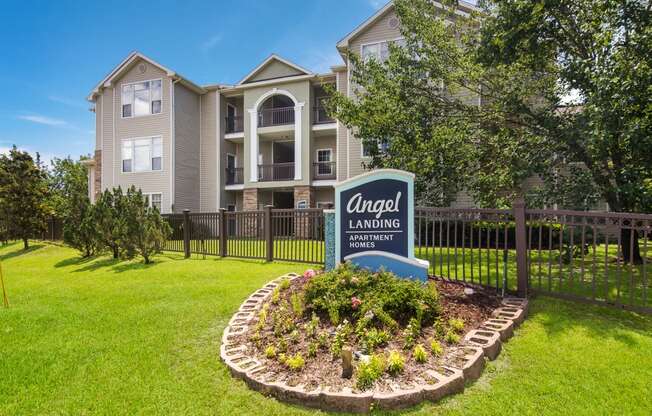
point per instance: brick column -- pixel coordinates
(97, 186)
(250, 199)
(303, 223)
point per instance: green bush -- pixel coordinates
(373, 339)
(368, 372)
(419, 354)
(391, 300)
(342, 334)
(295, 363)
(436, 348)
(456, 325)
(395, 363)
(452, 337)
(297, 304)
(412, 332)
(270, 351)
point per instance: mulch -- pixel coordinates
(323, 370)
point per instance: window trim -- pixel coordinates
(378, 43)
(362, 155)
(325, 202)
(133, 171)
(133, 114)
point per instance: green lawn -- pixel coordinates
(122, 338)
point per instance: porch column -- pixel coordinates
(298, 128)
(253, 144)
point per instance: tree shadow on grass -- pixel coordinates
(132, 266)
(98, 264)
(16, 253)
(74, 261)
(559, 317)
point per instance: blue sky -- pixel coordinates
(54, 52)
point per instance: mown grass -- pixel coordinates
(105, 337)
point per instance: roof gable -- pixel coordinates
(272, 68)
(128, 63)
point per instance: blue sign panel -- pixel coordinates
(374, 216)
(374, 223)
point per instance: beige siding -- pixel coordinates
(324, 195)
(107, 137)
(146, 126)
(274, 69)
(342, 131)
(379, 31)
(187, 149)
(208, 187)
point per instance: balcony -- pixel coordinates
(235, 176)
(320, 116)
(234, 124)
(277, 116)
(276, 172)
(323, 171)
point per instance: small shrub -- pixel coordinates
(270, 352)
(456, 325)
(436, 348)
(368, 372)
(294, 336)
(440, 328)
(452, 337)
(334, 315)
(312, 349)
(322, 339)
(276, 295)
(411, 333)
(420, 355)
(395, 363)
(373, 339)
(297, 304)
(341, 335)
(282, 345)
(284, 284)
(311, 327)
(295, 363)
(282, 358)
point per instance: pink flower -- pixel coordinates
(309, 273)
(355, 303)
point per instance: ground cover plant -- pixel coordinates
(302, 332)
(108, 337)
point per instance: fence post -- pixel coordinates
(186, 233)
(269, 235)
(521, 247)
(223, 232)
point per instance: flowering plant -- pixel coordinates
(355, 303)
(309, 273)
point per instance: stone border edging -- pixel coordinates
(477, 344)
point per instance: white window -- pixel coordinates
(324, 165)
(142, 155)
(379, 50)
(141, 98)
(154, 200)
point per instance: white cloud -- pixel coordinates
(68, 101)
(211, 42)
(48, 121)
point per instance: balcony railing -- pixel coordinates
(234, 176)
(320, 116)
(276, 172)
(323, 170)
(234, 124)
(275, 116)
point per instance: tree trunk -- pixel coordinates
(116, 253)
(631, 252)
(25, 243)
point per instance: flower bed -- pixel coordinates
(351, 340)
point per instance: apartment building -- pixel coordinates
(266, 140)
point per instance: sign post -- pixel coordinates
(374, 223)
